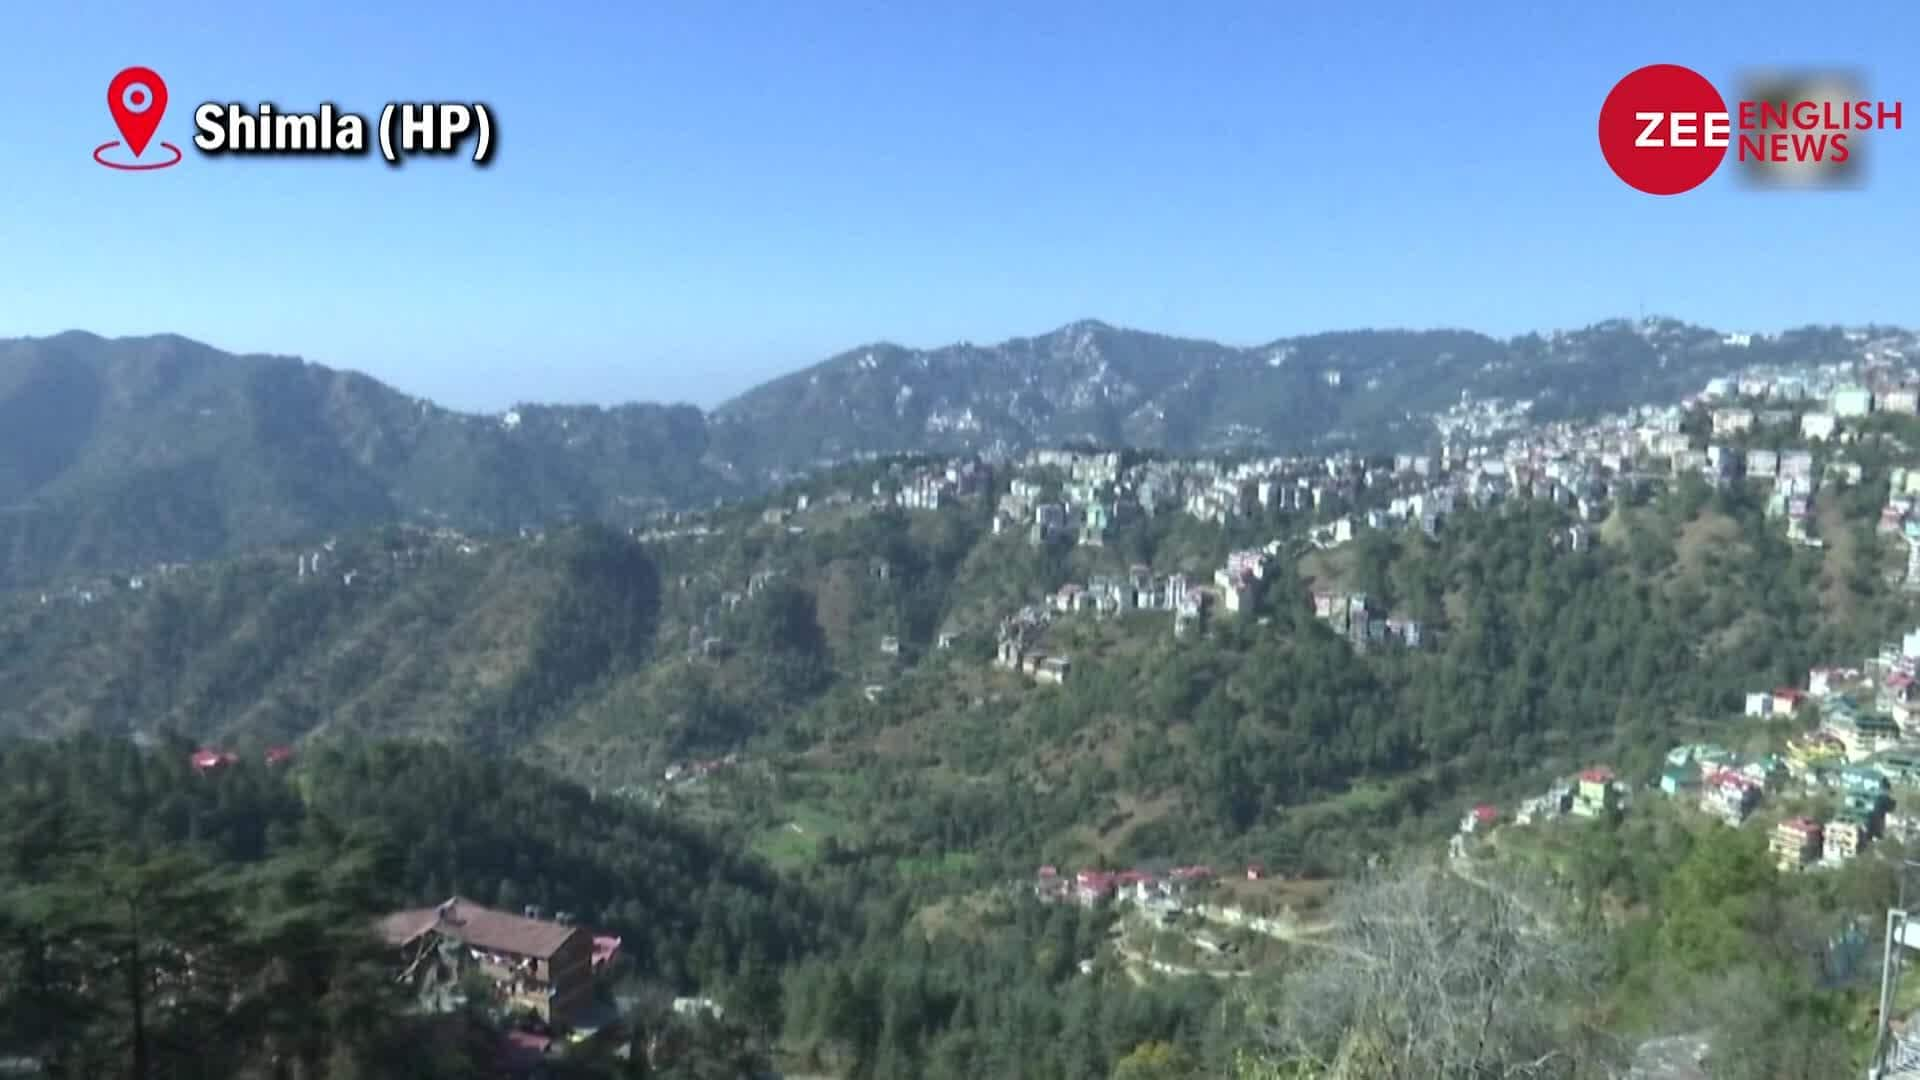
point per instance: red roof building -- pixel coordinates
(1732, 778)
(543, 966)
(206, 760)
(1796, 842)
(1800, 826)
(279, 755)
(1093, 885)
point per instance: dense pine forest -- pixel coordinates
(155, 921)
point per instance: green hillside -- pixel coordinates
(145, 905)
(742, 741)
(817, 654)
(396, 633)
(115, 454)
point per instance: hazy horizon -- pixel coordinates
(685, 203)
(722, 395)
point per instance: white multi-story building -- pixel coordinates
(1852, 402)
(1819, 425)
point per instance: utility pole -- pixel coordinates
(1896, 922)
(1892, 957)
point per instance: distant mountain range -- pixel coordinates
(119, 453)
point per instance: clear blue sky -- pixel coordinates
(689, 197)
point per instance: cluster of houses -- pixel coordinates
(1580, 467)
(1901, 517)
(935, 486)
(1824, 405)
(1595, 792)
(208, 759)
(1234, 591)
(1819, 407)
(1138, 590)
(1731, 787)
(1076, 496)
(1584, 464)
(1089, 504)
(1789, 473)
(908, 486)
(412, 547)
(703, 637)
(87, 591)
(1035, 664)
(1799, 842)
(1091, 888)
(1358, 619)
(1425, 508)
(690, 772)
(1102, 491)
(1863, 747)
(1860, 750)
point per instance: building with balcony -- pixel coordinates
(1796, 842)
(533, 965)
(1597, 794)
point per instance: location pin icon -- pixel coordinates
(137, 98)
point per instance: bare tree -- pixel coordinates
(1441, 974)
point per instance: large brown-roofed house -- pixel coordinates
(543, 966)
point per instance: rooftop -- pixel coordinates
(480, 927)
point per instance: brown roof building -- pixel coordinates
(543, 966)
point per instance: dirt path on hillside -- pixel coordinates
(1842, 557)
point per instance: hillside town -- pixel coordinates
(1832, 787)
(939, 543)
(1788, 430)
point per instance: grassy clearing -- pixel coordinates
(1327, 570)
(796, 841)
(1704, 543)
(952, 864)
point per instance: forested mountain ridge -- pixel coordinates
(116, 454)
(850, 661)
(384, 633)
(1092, 382)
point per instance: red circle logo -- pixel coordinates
(1664, 129)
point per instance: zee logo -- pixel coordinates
(1664, 129)
(1685, 130)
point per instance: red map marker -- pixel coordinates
(138, 98)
